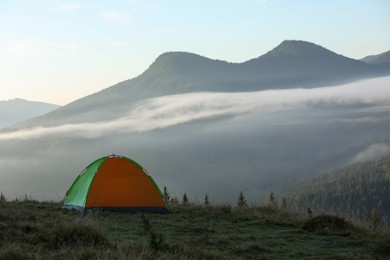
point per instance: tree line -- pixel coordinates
(360, 191)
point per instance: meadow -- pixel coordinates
(43, 230)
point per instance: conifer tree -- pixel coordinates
(166, 194)
(206, 200)
(272, 201)
(185, 199)
(241, 200)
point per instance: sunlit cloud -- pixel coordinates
(67, 7)
(39, 48)
(118, 17)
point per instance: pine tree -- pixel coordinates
(185, 199)
(166, 194)
(206, 200)
(241, 200)
(272, 201)
(2, 198)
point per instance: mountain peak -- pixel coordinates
(290, 48)
(178, 57)
(183, 62)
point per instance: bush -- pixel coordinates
(327, 223)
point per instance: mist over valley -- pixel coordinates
(197, 124)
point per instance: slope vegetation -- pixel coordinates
(360, 191)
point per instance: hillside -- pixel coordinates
(42, 230)
(357, 191)
(382, 58)
(17, 110)
(291, 64)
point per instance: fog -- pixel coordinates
(371, 152)
(171, 110)
(215, 143)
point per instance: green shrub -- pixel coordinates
(324, 224)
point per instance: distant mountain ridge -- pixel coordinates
(381, 58)
(16, 110)
(291, 64)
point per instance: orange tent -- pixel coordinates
(115, 183)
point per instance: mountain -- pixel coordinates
(382, 58)
(254, 142)
(193, 139)
(16, 110)
(356, 191)
(289, 65)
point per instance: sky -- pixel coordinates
(57, 51)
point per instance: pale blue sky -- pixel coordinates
(58, 51)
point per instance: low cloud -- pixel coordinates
(262, 141)
(171, 110)
(371, 152)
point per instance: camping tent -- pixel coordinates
(115, 183)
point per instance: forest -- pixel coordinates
(360, 191)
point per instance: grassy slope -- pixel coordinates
(31, 229)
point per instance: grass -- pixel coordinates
(42, 230)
